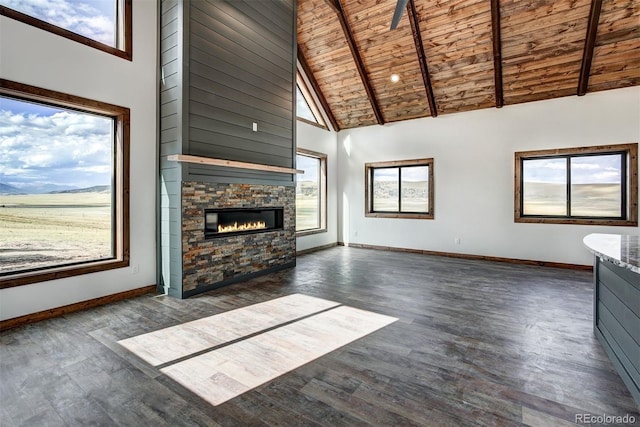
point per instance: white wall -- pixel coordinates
(36, 57)
(322, 141)
(474, 169)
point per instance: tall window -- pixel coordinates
(63, 185)
(590, 185)
(306, 108)
(399, 189)
(311, 192)
(102, 24)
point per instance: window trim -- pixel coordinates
(124, 30)
(323, 192)
(121, 230)
(368, 182)
(630, 217)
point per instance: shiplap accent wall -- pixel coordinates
(225, 65)
(171, 22)
(241, 71)
(238, 68)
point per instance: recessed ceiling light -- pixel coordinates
(395, 78)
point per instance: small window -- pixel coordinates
(306, 108)
(311, 192)
(102, 24)
(589, 185)
(399, 189)
(63, 185)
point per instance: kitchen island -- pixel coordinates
(616, 302)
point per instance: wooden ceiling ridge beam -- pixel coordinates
(422, 57)
(337, 7)
(497, 52)
(589, 46)
(316, 88)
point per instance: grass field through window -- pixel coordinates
(589, 200)
(41, 230)
(415, 196)
(307, 206)
(309, 192)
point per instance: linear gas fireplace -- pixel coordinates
(232, 232)
(231, 222)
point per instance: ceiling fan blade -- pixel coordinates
(400, 7)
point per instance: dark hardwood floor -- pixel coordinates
(476, 343)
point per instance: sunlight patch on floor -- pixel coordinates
(230, 370)
(169, 344)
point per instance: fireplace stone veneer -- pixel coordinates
(211, 263)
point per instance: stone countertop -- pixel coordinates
(620, 249)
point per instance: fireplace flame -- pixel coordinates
(253, 225)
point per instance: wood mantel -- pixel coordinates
(185, 158)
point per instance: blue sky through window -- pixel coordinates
(91, 18)
(409, 173)
(303, 110)
(45, 149)
(584, 170)
(596, 169)
(310, 167)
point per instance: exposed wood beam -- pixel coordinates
(589, 46)
(422, 58)
(337, 7)
(316, 89)
(497, 52)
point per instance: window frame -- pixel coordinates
(322, 209)
(311, 103)
(123, 24)
(629, 202)
(368, 179)
(120, 227)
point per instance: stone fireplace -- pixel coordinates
(211, 259)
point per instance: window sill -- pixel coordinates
(577, 221)
(47, 274)
(309, 122)
(310, 232)
(398, 215)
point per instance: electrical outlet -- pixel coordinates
(135, 269)
(456, 240)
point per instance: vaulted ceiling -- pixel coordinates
(460, 55)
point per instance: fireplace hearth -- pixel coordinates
(233, 222)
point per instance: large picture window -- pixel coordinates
(311, 192)
(102, 24)
(63, 185)
(589, 185)
(399, 189)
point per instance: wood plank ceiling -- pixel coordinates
(460, 55)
